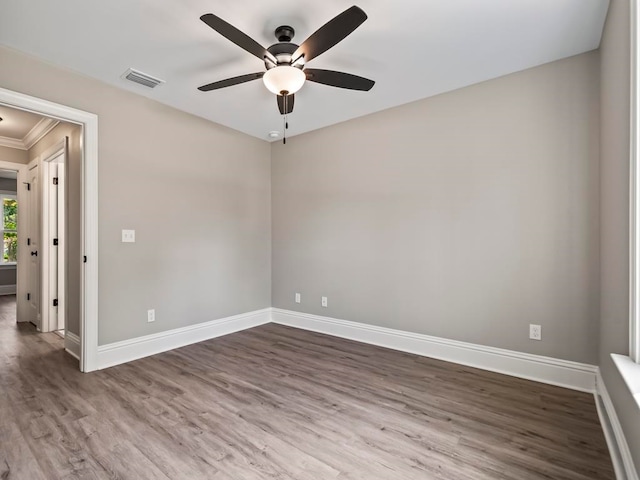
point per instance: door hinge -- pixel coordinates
(84, 259)
(28, 185)
(28, 241)
(28, 296)
(55, 302)
(55, 242)
(55, 180)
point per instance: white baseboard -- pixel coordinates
(7, 289)
(563, 373)
(129, 350)
(619, 449)
(72, 344)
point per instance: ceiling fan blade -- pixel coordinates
(236, 36)
(229, 82)
(288, 108)
(330, 33)
(339, 79)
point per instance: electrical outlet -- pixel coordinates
(298, 298)
(535, 332)
(151, 315)
(325, 302)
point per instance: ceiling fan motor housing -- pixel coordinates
(283, 52)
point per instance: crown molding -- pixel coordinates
(12, 143)
(36, 134)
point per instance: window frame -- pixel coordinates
(634, 193)
(629, 365)
(12, 196)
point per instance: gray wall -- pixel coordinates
(196, 193)
(8, 275)
(614, 325)
(14, 155)
(8, 185)
(74, 238)
(467, 216)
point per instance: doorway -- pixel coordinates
(34, 227)
(44, 297)
(9, 233)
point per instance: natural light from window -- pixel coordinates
(9, 229)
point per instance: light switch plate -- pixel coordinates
(128, 236)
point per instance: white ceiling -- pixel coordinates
(21, 129)
(412, 48)
(16, 124)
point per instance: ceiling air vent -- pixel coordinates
(140, 78)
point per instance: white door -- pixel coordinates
(60, 249)
(33, 244)
(52, 244)
(54, 225)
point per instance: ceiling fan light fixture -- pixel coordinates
(284, 78)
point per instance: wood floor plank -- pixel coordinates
(280, 403)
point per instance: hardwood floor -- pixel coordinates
(275, 402)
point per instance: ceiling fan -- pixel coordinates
(285, 61)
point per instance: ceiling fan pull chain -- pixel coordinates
(285, 100)
(284, 130)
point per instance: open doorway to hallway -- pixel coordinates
(41, 221)
(82, 220)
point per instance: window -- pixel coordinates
(634, 220)
(9, 232)
(634, 190)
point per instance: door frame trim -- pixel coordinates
(89, 215)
